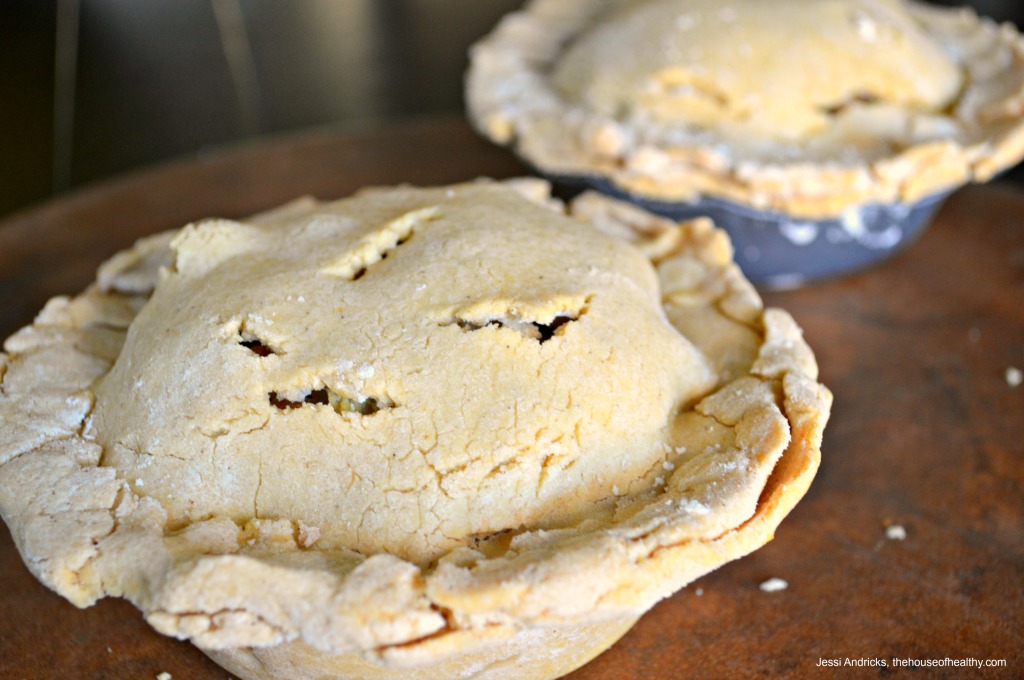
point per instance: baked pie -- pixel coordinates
(416, 433)
(829, 121)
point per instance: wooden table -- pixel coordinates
(926, 433)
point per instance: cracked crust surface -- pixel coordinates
(226, 429)
(424, 375)
(807, 108)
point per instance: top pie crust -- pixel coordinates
(808, 108)
(522, 419)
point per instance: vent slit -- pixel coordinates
(859, 98)
(534, 330)
(340, 403)
(378, 245)
(257, 347)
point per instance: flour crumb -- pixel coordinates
(698, 592)
(694, 507)
(164, 676)
(1014, 376)
(866, 27)
(615, 490)
(773, 585)
(668, 466)
(308, 534)
(896, 532)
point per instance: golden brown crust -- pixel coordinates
(731, 465)
(849, 153)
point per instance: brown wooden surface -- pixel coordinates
(926, 433)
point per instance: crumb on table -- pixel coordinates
(896, 532)
(773, 585)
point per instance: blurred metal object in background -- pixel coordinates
(234, 38)
(90, 88)
(65, 72)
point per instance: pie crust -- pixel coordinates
(412, 433)
(804, 108)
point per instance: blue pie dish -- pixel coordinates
(780, 251)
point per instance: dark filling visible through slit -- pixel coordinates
(541, 332)
(314, 397)
(257, 347)
(840, 107)
(338, 402)
(547, 331)
(362, 271)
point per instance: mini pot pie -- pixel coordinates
(821, 134)
(416, 433)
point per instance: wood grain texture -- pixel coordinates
(926, 433)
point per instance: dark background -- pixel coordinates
(91, 88)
